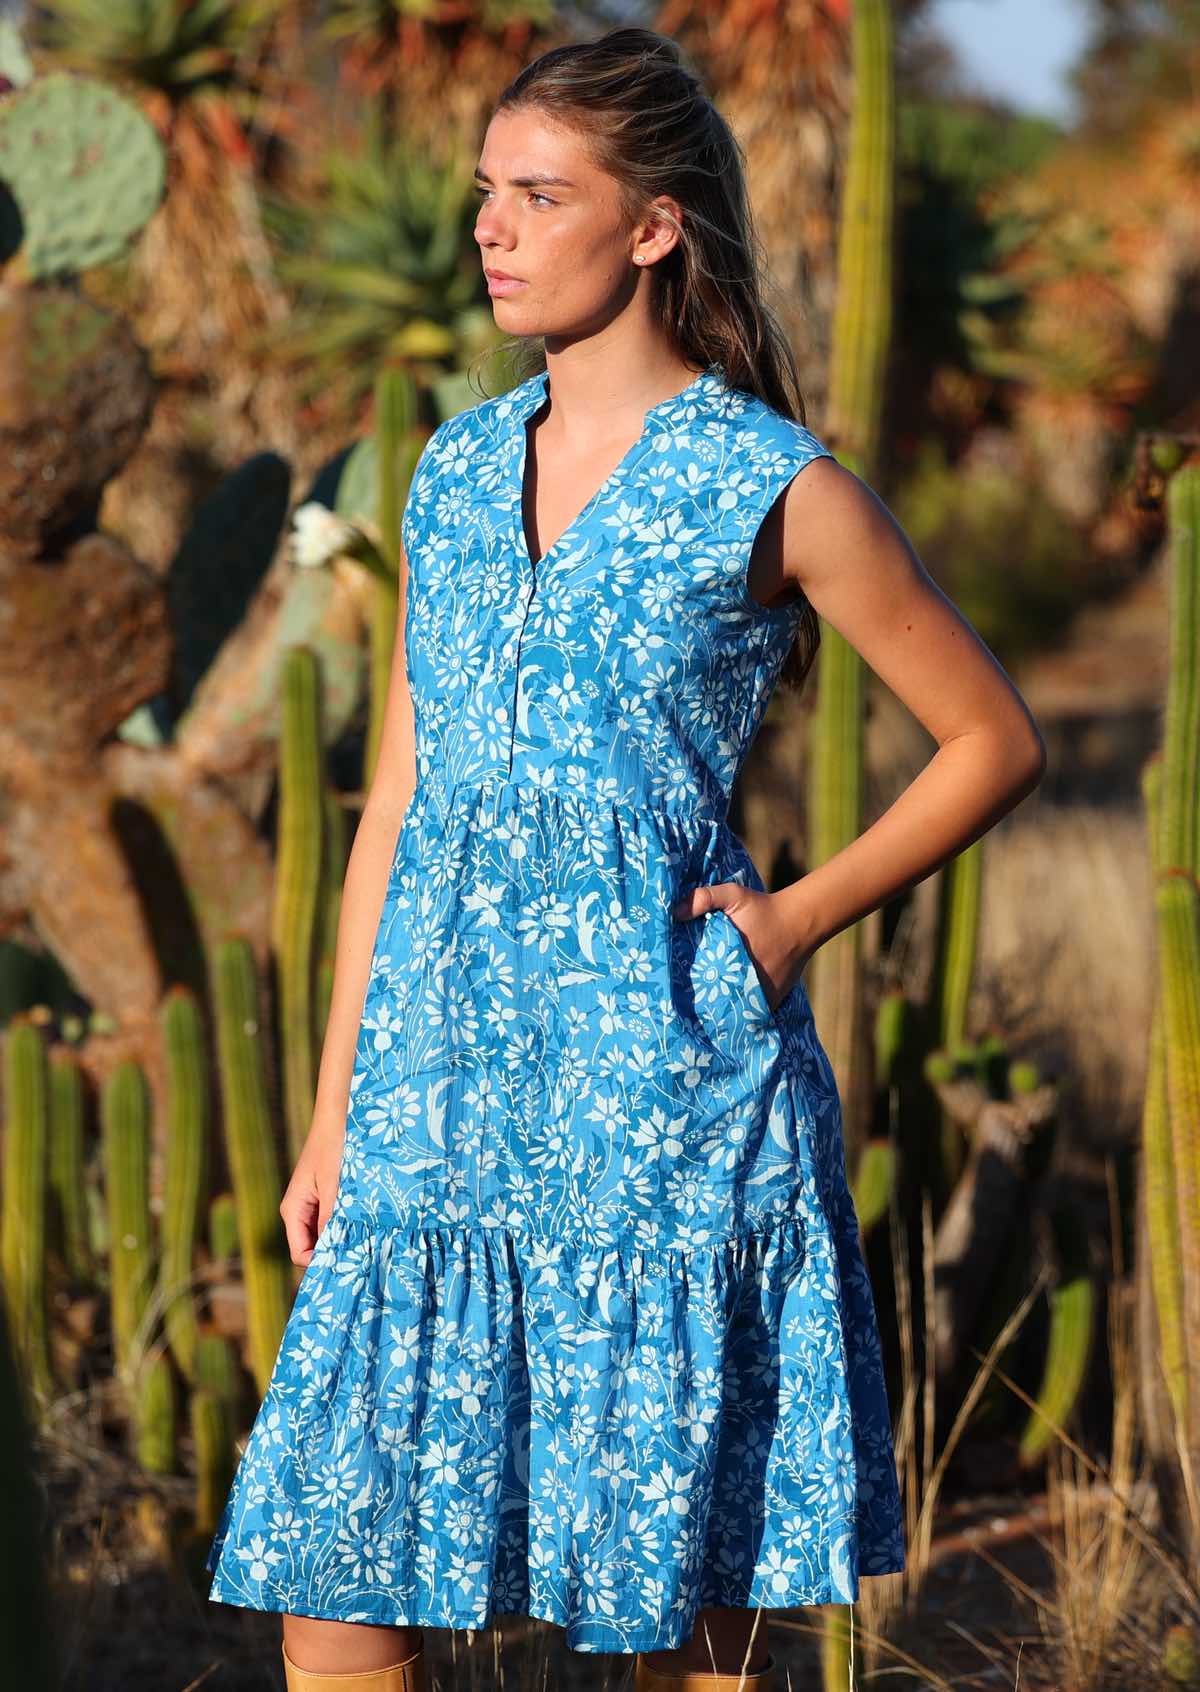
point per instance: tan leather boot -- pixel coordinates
(647, 1679)
(408, 1676)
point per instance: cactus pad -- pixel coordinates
(85, 167)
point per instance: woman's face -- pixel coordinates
(550, 217)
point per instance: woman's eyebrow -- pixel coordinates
(533, 180)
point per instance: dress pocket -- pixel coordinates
(752, 987)
(716, 987)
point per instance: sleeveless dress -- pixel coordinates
(587, 1335)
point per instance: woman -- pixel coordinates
(585, 1332)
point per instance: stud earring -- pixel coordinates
(639, 258)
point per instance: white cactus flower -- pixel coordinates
(319, 535)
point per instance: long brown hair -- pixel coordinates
(648, 123)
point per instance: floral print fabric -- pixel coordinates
(587, 1335)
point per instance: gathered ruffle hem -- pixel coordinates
(466, 1422)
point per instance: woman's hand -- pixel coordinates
(311, 1191)
(777, 951)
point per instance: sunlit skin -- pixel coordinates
(586, 290)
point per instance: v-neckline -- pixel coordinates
(539, 385)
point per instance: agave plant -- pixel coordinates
(192, 65)
(383, 264)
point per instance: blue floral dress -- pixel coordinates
(587, 1335)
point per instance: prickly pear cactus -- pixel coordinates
(76, 394)
(86, 168)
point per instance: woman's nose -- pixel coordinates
(490, 228)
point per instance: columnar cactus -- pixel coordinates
(217, 1369)
(212, 1443)
(68, 1186)
(186, 1147)
(252, 1157)
(1069, 1344)
(222, 1226)
(958, 938)
(861, 344)
(155, 1413)
(862, 329)
(873, 1182)
(26, 1115)
(329, 905)
(297, 886)
(125, 1130)
(395, 416)
(959, 891)
(1162, 1235)
(1171, 1119)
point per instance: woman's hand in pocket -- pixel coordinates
(777, 953)
(311, 1191)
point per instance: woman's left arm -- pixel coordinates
(841, 545)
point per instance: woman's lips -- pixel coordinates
(503, 284)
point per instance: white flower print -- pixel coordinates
(545, 918)
(587, 1333)
(668, 1488)
(260, 1558)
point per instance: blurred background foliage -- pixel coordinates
(186, 706)
(319, 213)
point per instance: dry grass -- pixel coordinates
(1117, 1587)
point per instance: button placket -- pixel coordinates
(576, 527)
(518, 702)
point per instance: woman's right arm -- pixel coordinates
(313, 1186)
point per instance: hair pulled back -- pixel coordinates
(648, 122)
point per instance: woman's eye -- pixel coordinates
(545, 198)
